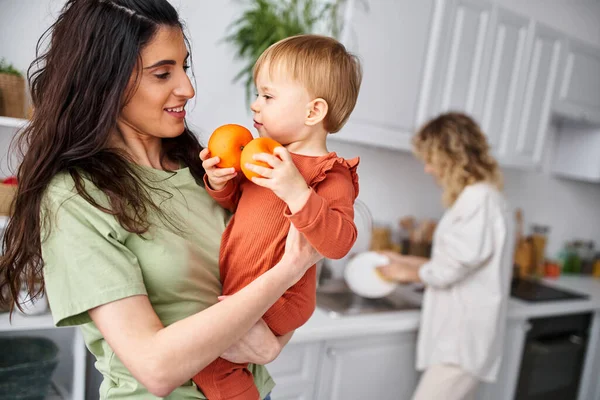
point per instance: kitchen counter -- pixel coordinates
(322, 326)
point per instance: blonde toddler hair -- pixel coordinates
(324, 67)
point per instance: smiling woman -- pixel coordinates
(111, 219)
(157, 107)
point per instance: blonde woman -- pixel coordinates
(468, 276)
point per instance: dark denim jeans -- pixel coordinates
(268, 397)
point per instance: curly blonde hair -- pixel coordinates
(454, 144)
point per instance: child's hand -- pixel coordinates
(283, 178)
(217, 177)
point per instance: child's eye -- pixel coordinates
(266, 96)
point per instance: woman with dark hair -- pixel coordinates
(111, 220)
(468, 276)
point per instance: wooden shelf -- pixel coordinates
(12, 122)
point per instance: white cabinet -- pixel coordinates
(502, 79)
(457, 64)
(296, 371)
(539, 89)
(506, 70)
(579, 95)
(576, 153)
(590, 384)
(390, 38)
(499, 67)
(373, 367)
(505, 386)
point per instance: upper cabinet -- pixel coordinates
(579, 96)
(502, 79)
(508, 71)
(533, 107)
(390, 38)
(499, 67)
(455, 64)
(576, 153)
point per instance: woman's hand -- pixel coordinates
(394, 257)
(400, 272)
(299, 253)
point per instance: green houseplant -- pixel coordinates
(12, 91)
(265, 22)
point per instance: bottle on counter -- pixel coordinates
(596, 271)
(539, 236)
(587, 257)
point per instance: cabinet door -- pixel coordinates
(527, 145)
(457, 59)
(374, 367)
(390, 39)
(295, 371)
(579, 95)
(503, 77)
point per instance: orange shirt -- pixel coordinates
(254, 239)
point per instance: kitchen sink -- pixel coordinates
(336, 298)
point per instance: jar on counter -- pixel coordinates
(587, 254)
(570, 259)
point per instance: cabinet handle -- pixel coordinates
(331, 353)
(575, 339)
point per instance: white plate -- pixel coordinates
(362, 278)
(364, 227)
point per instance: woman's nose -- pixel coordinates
(185, 88)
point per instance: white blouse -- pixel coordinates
(468, 283)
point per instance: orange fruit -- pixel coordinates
(227, 143)
(256, 146)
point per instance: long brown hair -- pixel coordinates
(455, 145)
(78, 88)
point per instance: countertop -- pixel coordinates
(322, 327)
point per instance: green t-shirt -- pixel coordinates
(90, 260)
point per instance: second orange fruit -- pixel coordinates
(256, 146)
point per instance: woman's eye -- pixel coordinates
(186, 67)
(163, 76)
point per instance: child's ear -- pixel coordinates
(316, 111)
